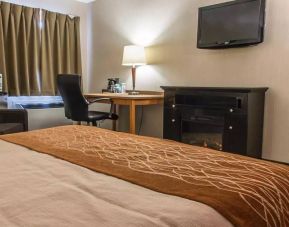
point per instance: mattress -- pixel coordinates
(40, 190)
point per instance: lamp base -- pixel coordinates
(133, 93)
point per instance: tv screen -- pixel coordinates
(231, 24)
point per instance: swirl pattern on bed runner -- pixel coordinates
(248, 192)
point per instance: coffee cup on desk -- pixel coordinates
(123, 87)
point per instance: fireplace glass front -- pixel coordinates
(203, 131)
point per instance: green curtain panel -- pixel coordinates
(35, 46)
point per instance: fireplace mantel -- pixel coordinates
(226, 119)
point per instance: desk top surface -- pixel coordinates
(151, 95)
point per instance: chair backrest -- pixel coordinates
(75, 105)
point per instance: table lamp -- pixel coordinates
(133, 56)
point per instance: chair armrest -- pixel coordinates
(14, 116)
(98, 100)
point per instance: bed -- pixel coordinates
(86, 176)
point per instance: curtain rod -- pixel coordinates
(71, 15)
(67, 14)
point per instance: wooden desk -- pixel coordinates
(143, 99)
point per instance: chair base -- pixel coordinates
(96, 124)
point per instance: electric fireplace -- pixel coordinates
(224, 119)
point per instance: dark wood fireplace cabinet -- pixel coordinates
(225, 119)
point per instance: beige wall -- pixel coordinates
(169, 29)
(66, 7)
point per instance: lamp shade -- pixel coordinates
(134, 56)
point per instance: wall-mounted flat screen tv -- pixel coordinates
(231, 24)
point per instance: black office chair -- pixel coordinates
(75, 104)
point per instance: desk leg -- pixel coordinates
(114, 122)
(132, 111)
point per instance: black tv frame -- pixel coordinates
(233, 43)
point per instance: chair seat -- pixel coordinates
(98, 116)
(7, 128)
